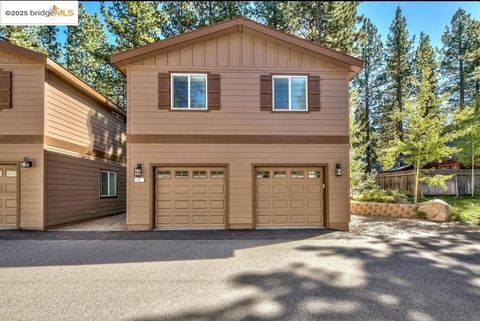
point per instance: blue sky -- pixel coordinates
(431, 17)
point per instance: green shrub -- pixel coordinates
(379, 195)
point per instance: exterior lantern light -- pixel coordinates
(338, 169)
(138, 170)
(26, 163)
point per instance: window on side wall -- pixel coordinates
(189, 91)
(290, 93)
(108, 184)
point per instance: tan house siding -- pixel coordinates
(47, 111)
(74, 117)
(31, 182)
(76, 126)
(73, 188)
(240, 59)
(26, 115)
(21, 130)
(240, 112)
(240, 159)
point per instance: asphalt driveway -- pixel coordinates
(426, 275)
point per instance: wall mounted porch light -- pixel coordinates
(26, 163)
(338, 170)
(138, 170)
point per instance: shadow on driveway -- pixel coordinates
(417, 279)
(38, 248)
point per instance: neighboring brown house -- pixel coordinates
(237, 125)
(73, 137)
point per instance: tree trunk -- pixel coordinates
(462, 85)
(473, 166)
(319, 21)
(415, 186)
(368, 150)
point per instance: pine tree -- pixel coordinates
(271, 13)
(426, 75)
(472, 57)
(399, 68)
(133, 23)
(87, 55)
(24, 36)
(48, 39)
(456, 41)
(330, 23)
(369, 86)
(182, 17)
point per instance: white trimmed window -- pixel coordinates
(290, 93)
(188, 91)
(108, 184)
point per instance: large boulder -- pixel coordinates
(435, 210)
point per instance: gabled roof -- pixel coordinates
(236, 24)
(62, 73)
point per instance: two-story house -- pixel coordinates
(62, 145)
(237, 125)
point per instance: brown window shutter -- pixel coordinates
(213, 91)
(163, 91)
(266, 92)
(5, 89)
(314, 93)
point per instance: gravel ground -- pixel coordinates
(378, 225)
(109, 223)
(359, 225)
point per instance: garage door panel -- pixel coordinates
(8, 196)
(217, 219)
(181, 189)
(297, 219)
(280, 189)
(164, 189)
(181, 204)
(280, 219)
(289, 197)
(199, 219)
(199, 204)
(199, 189)
(220, 204)
(190, 197)
(164, 204)
(217, 189)
(297, 204)
(280, 203)
(181, 219)
(297, 188)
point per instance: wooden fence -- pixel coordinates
(460, 184)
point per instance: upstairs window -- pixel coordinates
(189, 91)
(290, 93)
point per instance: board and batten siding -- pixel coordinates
(74, 117)
(73, 188)
(240, 59)
(240, 89)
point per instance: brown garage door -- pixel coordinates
(190, 197)
(289, 197)
(8, 196)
